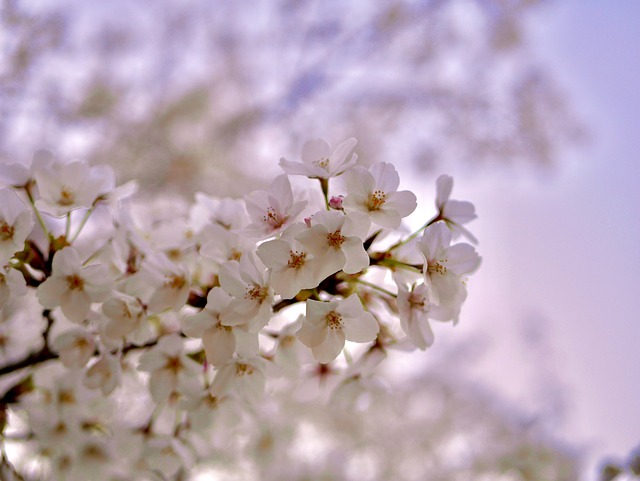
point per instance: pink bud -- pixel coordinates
(307, 220)
(336, 202)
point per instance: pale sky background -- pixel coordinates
(561, 248)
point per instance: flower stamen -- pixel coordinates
(376, 200)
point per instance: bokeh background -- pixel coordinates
(532, 105)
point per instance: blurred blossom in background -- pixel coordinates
(539, 380)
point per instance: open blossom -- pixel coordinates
(70, 186)
(170, 283)
(218, 340)
(454, 212)
(243, 376)
(75, 347)
(169, 367)
(273, 210)
(230, 214)
(253, 296)
(318, 161)
(415, 309)
(104, 374)
(375, 192)
(292, 267)
(125, 314)
(73, 286)
(445, 264)
(328, 324)
(16, 224)
(12, 283)
(336, 242)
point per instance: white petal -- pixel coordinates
(363, 328)
(332, 346)
(219, 345)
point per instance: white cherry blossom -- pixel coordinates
(454, 212)
(445, 264)
(16, 223)
(75, 347)
(328, 324)
(12, 284)
(64, 187)
(169, 367)
(415, 309)
(73, 286)
(124, 315)
(291, 266)
(218, 340)
(375, 192)
(104, 374)
(273, 210)
(249, 286)
(320, 162)
(336, 241)
(243, 376)
(170, 283)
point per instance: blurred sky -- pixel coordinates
(556, 297)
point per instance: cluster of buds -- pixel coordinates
(166, 329)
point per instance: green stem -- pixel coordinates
(27, 189)
(378, 288)
(400, 243)
(67, 228)
(82, 223)
(324, 184)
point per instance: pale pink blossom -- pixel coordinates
(444, 266)
(272, 210)
(16, 223)
(64, 187)
(320, 162)
(73, 286)
(328, 324)
(375, 192)
(336, 242)
(454, 212)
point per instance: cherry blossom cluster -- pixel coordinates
(158, 330)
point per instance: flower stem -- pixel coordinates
(324, 184)
(82, 223)
(27, 189)
(400, 243)
(374, 286)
